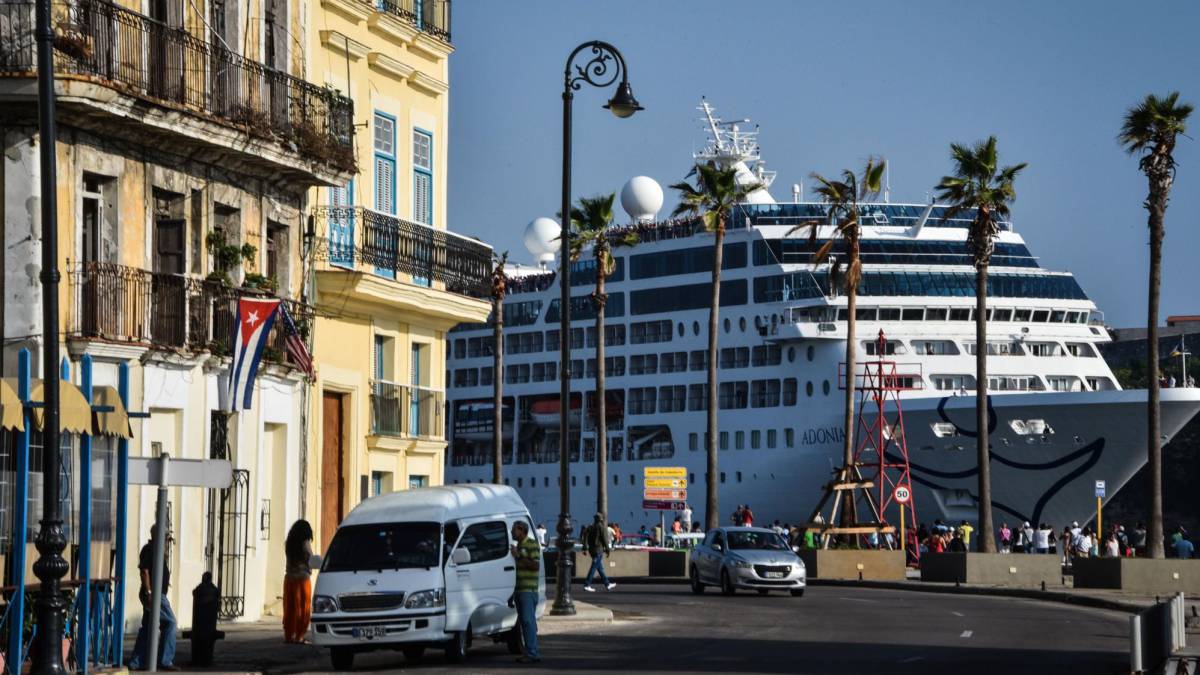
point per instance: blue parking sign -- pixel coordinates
(1100, 488)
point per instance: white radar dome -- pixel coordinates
(541, 238)
(642, 197)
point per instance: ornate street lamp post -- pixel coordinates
(50, 566)
(602, 70)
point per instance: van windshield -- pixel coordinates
(384, 546)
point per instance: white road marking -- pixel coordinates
(966, 634)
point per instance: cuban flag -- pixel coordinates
(254, 319)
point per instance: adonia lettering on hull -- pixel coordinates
(1058, 420)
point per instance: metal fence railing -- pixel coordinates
(406, 410)
(143, 57)
(431, 16)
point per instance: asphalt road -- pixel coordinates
(830, 630)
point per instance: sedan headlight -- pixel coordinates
(323, 604)
(740, 564)
(434, 597)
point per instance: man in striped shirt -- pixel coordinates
(529, 564)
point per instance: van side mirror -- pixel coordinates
(717, 547)
(461, 556)
(315, 560)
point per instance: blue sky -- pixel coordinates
(830, 84)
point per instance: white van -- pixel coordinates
(430, 567)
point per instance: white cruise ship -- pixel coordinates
(1059, 419)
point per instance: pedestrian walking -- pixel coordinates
(1139, 540)
(599, 544)
(297, 583)
(166, 619)
(541, 535)
(686, 516)
(528, 558)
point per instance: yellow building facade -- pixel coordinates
(389, 280)
(188, 141)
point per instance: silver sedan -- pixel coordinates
(746, 557)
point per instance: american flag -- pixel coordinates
(295, 343)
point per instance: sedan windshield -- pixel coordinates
(384, 546)
(758, 541)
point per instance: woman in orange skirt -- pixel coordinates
(297, 583)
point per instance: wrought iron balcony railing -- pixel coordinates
(431, 16)
(120, 304)
(143, 57)
(406, 410)
(355, 237)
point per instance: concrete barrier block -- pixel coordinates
(850, 563)
(1139, 575)
(993, 569)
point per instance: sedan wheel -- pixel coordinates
(727, 584)
(697, 587)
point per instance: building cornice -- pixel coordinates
(431, 47)
(345, 291)
(343, 44)
(389, 66)
(428, 83)
(354, 10)
(392, 28)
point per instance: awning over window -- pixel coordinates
(10, 407)
(75, 415)
(115, 423)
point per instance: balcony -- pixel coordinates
(430, 16)
(402, 410)
(102, 49)
(360, 238)
(170, 312)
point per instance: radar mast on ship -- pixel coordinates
(730, 145)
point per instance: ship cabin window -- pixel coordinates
(695, 328)
(642, 400)
(1022, 314)
(643, 364)
(766, 355)
(1040, 315)
(724, 438)
(693, 441)
(934, 347)
(1100, 384)
(680, 329)
(772, 438)
(997, 348)
(867, 313)
(960, 314)
(742, 324)
(577, 337)
(842, 313)
(936, 314)
(1045, 348)
(614, 336)
(485, 376)
(722, 475)
(889, 313)
(460, 348)
(808, 388)
(953, 382)
(672, 398)
(891, 348)
(791, 354)
(739, 440)
(733, 395)
(1015, 383)
(1064, 383)
(755, 439)
(673, 362)
(811, 352)
(644, 332)
(735, 357)
(1002, 315)
(825, 387)
(764, 394)
(912, 314)
(1057, 316)
(727, 324)
(789, 390)
(1082, 349)
(698, 359)
(789, 437)
(698, 397)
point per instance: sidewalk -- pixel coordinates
(258, 647)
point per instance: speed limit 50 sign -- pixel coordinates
(902, 494)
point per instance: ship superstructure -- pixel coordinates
(1059, 419)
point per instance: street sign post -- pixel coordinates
(664, 488)
(1100, 490)
(165, 472)
(664, 472)
(676, 483)
(902, 494)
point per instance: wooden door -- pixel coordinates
(333, 483)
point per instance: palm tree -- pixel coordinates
(591, 219)
(977, 184)
(712, 200)
(499, 290)
(844, 198)
(1150, 129)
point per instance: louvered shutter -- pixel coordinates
(422, 193)
(385, 185)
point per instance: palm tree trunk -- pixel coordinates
(601, 403)
(498, 389)
(1157, 207)
(848, 515)
(987, 541)
(711, 517)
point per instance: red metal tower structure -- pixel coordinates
(881, 459)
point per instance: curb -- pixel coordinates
(994, 591)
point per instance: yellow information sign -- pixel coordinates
(664, 494)
(679, 483)
(664, 472)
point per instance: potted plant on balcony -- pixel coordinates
(226, 256)
(258, 281)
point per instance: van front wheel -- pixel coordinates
(342, 658)
(456, 648)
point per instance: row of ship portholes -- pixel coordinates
(791, 351)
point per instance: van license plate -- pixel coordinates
(369, 632)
